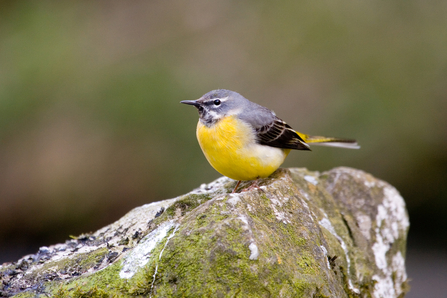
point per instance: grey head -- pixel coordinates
(219, 103)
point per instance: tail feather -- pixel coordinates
(332, 142)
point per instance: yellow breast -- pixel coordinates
(230, 147)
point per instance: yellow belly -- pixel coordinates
(230, 147)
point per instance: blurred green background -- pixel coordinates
(91, 125)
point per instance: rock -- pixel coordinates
(341, 233)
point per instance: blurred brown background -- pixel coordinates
(91, 125)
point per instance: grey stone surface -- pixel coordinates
(340, 233)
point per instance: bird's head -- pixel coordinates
(217, 104)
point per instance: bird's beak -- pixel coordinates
(191, 102)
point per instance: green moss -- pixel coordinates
(186, 204)
(308, 264)
(100, 284)
(25, 295)
(204, 263)
(79, 292)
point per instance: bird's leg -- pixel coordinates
(234, 190)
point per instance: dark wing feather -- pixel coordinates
(280, 134)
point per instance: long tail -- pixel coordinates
(332, 142)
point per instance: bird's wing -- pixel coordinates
(279, 134)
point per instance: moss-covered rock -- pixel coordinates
(341, 233)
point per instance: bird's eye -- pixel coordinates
(217, 102)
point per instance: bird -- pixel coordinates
(246, 141)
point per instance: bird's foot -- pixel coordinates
(254, 185)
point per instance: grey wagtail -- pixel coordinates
(245, 141)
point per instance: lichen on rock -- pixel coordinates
(340, 233)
